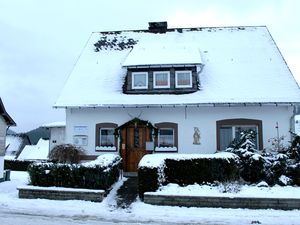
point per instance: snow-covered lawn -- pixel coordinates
(230, 190)
(138, 213)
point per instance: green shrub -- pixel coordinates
(187, 170)
(17, 165)
(200, 170)
(88, 176)
(148, 180)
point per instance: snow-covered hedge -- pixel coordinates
(185, 169)
(98, 174)
(17, 165)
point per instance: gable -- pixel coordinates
(241, 65)
(9, 121)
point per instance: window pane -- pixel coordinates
(166, 138)
(107, 137)
(240, 129)
(161, 79)
(140, 80)
(183, 78)
(225, 137)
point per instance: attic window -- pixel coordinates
(161, 79)
(183, 79)
(139, 80)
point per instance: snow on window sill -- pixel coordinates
(106, 148)
(166, 149)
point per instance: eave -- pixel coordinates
(223, 104)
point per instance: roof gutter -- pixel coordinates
(225, 104)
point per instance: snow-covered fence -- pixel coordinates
(98, 174)
(184, 169)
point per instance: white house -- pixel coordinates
(5, 122)
(57, 133)
(177, 90)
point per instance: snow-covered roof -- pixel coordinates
(163, 54)
(9, 121)
(38, 151)
(55, 124)
(241, 65)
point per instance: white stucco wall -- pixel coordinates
(202, 117)
(3, 127)
(57, 136)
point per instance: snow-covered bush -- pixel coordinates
(17, 165)
(184, 169)
(98, 174)
(270, 166)
(66, 153)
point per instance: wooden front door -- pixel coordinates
(134, 138)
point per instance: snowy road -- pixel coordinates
(11, 218)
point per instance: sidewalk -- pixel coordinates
(127, 193)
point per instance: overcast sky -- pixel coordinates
(40, 40)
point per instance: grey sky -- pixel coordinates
(40, 40)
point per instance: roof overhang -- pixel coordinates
(223, 104)
(9, 121)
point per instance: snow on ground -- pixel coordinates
(230, 190)
(138, 213)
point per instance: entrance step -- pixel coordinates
(130, 174)
(127, 193)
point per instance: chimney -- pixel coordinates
(158, 27)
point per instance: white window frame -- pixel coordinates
(154, 79)
(176, 79)
(139, 73)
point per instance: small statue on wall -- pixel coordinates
(196, 136)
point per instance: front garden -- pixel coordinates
(240, 165)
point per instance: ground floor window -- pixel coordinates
(105, 137)
(228, 130)
(167, 138)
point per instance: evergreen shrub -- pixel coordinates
(148, 180)
(96, 176)
(17, 165)
(200, 170)
(187, 171)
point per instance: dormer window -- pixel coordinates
(139, 80)
(161, 79)
(183, 79)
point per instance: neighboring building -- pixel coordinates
(57, 133)
(15, 143)
(40, 151)
(5, 122)
(177, 90)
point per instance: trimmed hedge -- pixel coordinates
(74, 175)
(187, 171)
(148, 180)
(17, 165)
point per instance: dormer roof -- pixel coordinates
(160, 54)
